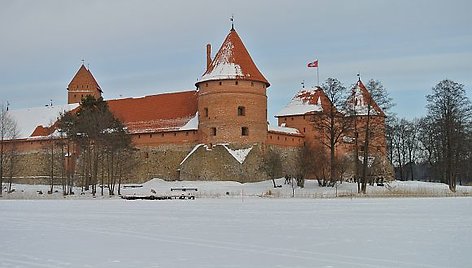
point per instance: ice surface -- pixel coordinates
(234, 232)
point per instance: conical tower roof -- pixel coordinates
(307, 101)
(83, 77)
(360, 99)
(233, 62)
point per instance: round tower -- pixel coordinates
(232, 100)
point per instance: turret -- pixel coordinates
(232, 101)
(81, 85)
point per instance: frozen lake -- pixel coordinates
(230, 232)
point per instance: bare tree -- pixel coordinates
(450, 112)
(334, 124)
(367, 106)
(8, 133)
(272, 165)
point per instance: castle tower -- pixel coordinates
(359, 104)
(82, 84)
(232, 100)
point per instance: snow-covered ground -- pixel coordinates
(234, 232)
(228, 189)
(239, 225)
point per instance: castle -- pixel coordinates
(217, 132)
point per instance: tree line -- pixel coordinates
(438, 146)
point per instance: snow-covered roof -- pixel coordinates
(233, 61)
(29, 119)
(192, 124)
(306, 101)
(162, 112)
(359, 101)
(282, 129)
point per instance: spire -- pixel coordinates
(232, 22)
(360, 99)
(232, 61)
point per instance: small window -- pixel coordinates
(206, 112)
(244, 131)
(175, 134)
(221, 83)
(150, 135)
(291, 118)
(186, 133)
(213, 131)
(162, 134)
(206, 84)
(236, 82)
(252, 84)
(241, 111)
(304, 130)
(139, 136)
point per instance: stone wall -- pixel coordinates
(158, 162)
(217, 163)
(164, 162)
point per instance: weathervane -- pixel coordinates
(303, 84)
(232, 21)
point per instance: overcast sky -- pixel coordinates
(145, 47)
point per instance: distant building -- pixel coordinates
(217, 132)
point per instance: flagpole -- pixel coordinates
(318, 75)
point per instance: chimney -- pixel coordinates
(208, 55)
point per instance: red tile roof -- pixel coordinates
(83, 77)
(315, 96)
(42, 131)
(162, 112)
(232, 61)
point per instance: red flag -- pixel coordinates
(313, 64)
